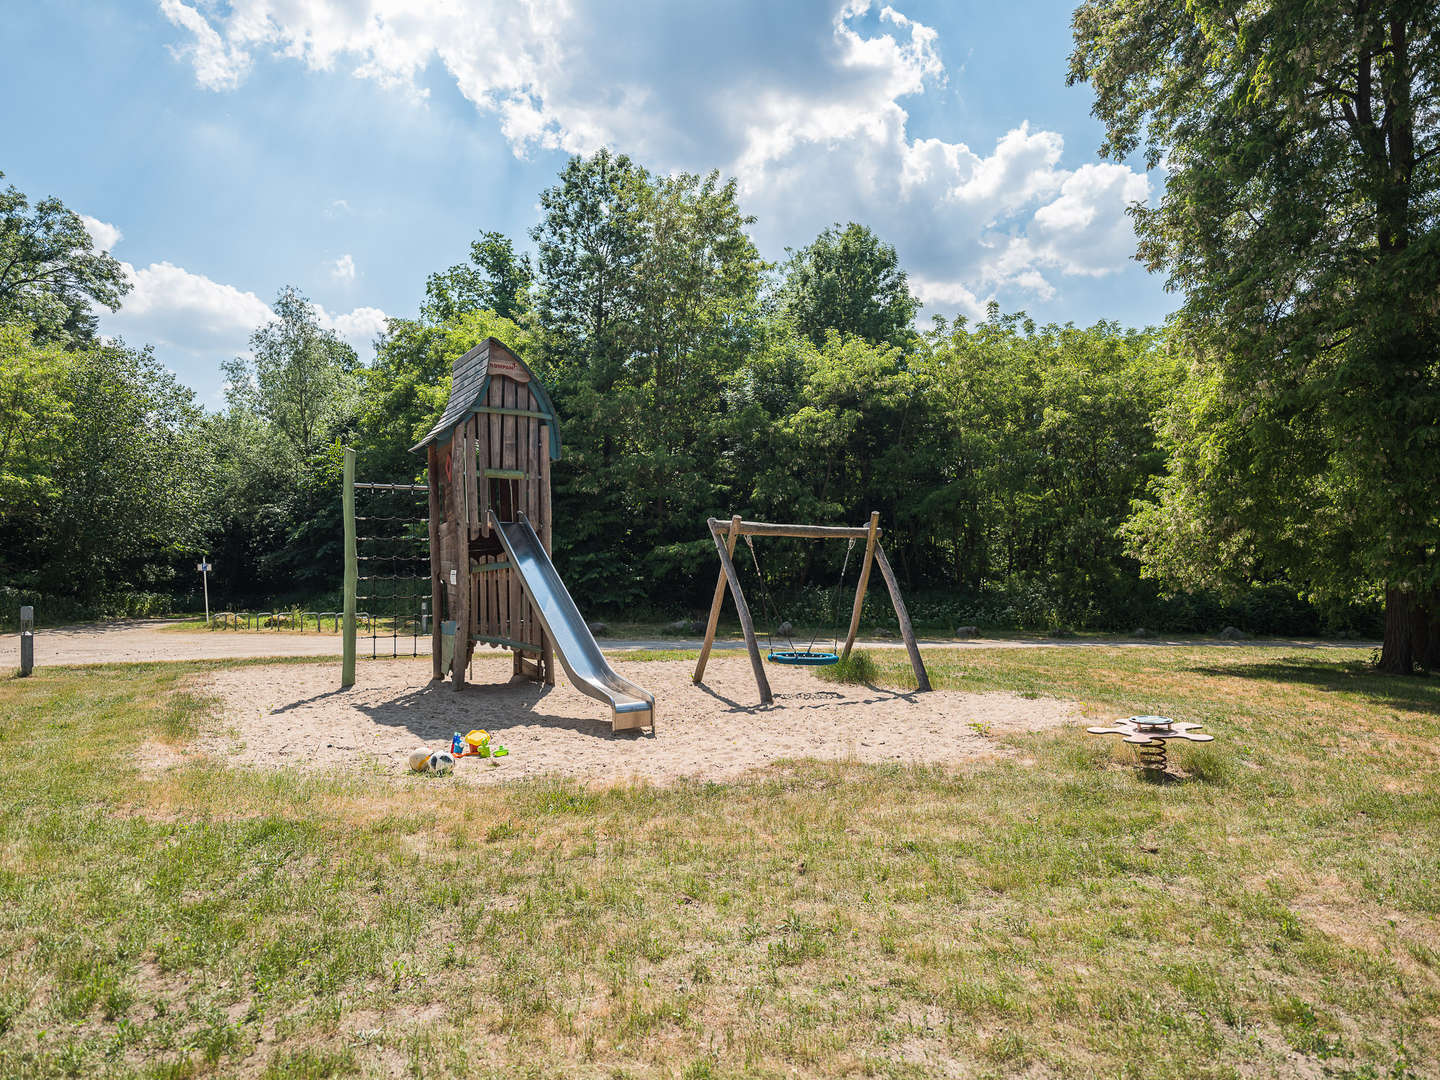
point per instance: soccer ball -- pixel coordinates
(442, 761)
(420, 758)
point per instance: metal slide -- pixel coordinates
(631, 706)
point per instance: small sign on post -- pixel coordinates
(27, 640)
(204, 567)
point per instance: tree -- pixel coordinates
(647, 296)
(50, 272)
(276, 464)
(589, 242)
(302, 379)
(1301, 221)
(697, 281)
(495, 280)
(36, 418)
(849, 280)
(102, 479)
(405, 390)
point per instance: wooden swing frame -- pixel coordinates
(874, 554)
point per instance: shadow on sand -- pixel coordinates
(810, 699)
(432, 713)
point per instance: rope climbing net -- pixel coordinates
(392, 555)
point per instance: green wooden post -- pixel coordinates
(347, 662)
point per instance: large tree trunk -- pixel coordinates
(1425, 632)
(1397, 653)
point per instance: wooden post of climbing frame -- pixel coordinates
(459, 520)
(437, 590)
(863, 585)
(717, 603)
(922, 680)
(548, 652)
(746, 623)
(347, 506)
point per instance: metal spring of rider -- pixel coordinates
(1152, 755)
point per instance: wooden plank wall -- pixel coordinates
(498, 603)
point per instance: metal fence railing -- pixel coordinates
(286, 619)
(367, 624)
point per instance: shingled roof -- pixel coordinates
(469, 387)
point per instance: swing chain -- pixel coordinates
(835, 601)
(772, 613)
(771, 616)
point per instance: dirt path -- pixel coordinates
(144, 640)
(139, 640)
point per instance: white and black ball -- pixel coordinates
(441, 762)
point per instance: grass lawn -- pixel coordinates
(1050, 913)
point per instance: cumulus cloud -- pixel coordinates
(218, 64)
(172, 307)
(343, 268)
(808, 112)
(1085, 230)
(105, 235)
(948, 295)
(359, 327)
(196, 322)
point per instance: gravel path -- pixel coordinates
(139, 640)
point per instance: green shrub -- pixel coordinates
(859, 667)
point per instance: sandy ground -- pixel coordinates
(137, 640)
(297, 715)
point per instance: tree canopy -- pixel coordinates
(1301, 224)
(50, 272)
(1004, 457)
(849, 280)
(493, 280)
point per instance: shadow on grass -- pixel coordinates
(1168, 778)
(1411, 693)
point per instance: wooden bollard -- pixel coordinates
(27, 640)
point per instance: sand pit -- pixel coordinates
(296, 715)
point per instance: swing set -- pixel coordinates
(809, 656)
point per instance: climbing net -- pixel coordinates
(392, 554)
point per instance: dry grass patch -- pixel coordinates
(1043, 914)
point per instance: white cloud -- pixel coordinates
(1085, 230)
(195, 322)
(343, 268)
(171, 307)
(105, 235)
(1035, 282)
(949, 295)
(805, 108)
(359, 327)
(218, 65)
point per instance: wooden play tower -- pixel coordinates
(490, 452)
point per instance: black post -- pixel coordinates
(27, 640)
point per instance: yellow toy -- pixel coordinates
(478, 742)
(479, 745)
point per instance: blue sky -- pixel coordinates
(351, 147)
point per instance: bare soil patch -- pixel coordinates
(297, 715)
